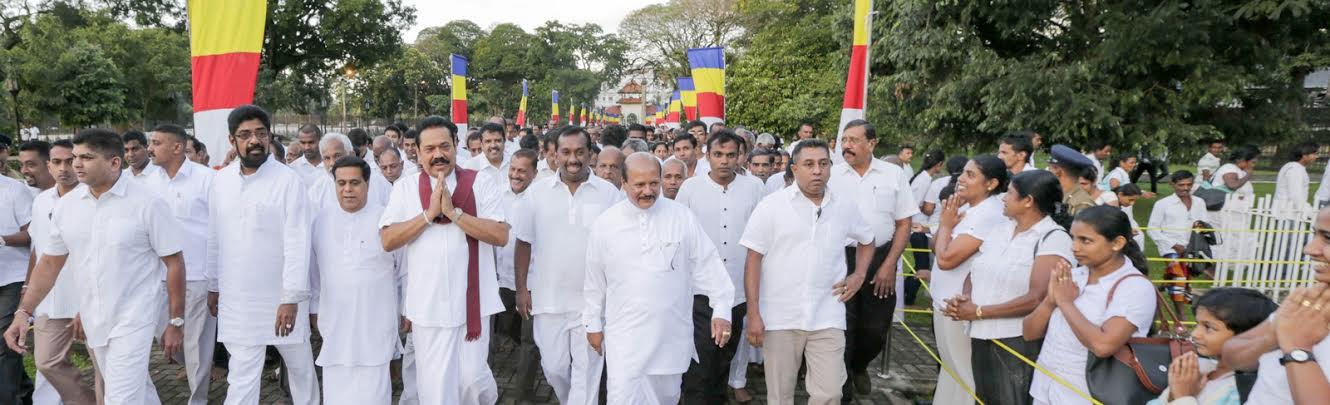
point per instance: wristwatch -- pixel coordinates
(457, 213)
(177, 322)
(1297, 356)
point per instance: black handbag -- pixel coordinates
(1138, 372)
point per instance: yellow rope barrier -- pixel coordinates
(940, 363)
(1050, 374)
(1183, 260)
(1300, 231)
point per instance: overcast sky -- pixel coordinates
(528, 14)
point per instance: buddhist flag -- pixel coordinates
(572, 114)
(856, 84)
(225, 41)
(554, 107)
(521, 107)
(660, 117)
(689, 99)
(672, 112)
(459, 94)
(709, 80)
(584, 116)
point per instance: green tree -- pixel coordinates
(661, 34)
(88, 90)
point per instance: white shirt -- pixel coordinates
(1098, 167)
(437, 259)
(1063, 354)
(882, 195)
(977, 222)
(1003, 266)
(505, 255)
(357, 293)
(934, 196)
(149, 172)
(1207, 162)
(723, 212)
(803, 255)
(187, 196)
(482, 164)
(258, 252)
(544, 170)
(1118, 174)
(643, 268)
(775, 182)
(15, 212)
(1271, 386)
(1293, 183)
(1323, 189)
(1176, 220)
(323, 191)
(919, 190)
(1245, 190)
(557, 224)
(408, 168)
(116, 242)
(62, 301)
(309, 173)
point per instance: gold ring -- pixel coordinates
(725, 333)
(1306, 303)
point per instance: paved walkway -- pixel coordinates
(912, 375)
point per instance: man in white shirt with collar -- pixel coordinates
(552, 226)
(258, 263)
(795, 278)
(53, 336)
(1292, 184)
(687, 149)
(1171, 219)
(309, 137)
(885, 201)
(646, 261)
(1015, 150)
(721, 201)
(441, 218)
(521, 174)
(492, 160)
(15, 213)
(184, 185)
(138, 163)
(1210, 162)
(323, 191)
(112, 231)
(1099, 150)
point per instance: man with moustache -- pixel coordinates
(882, 193)
(357, 291)
(440, 218)
(492, 160)
(675, 172)
(185, 185)
(258, 263)
(760, 162)
(32, 157)
(323, 192)
(721, 201)
(644, 264)
(52, 334)
(552, 226)
(521, 173)
(111, 229)
(609, 165)
(137, 162)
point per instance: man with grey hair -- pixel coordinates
(766, 141)
(634, 145)
(323, 191)
(609, 166)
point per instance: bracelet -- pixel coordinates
(426, 218)
(979, 313)
(26, 315)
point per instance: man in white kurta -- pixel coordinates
(185, 186)
(1293, 184)
(453, 367)
(357, 293)
(646, 260)
(258, 256)
(552, 226)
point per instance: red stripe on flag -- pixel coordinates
(459, 111)
(854, 84)
(710, 105)
(225, 80)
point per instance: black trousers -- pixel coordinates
(867, 319)
(1158, 169)
(922, 261)
(510, 324)
(705, 381)
(1005, 379)
(15, 387)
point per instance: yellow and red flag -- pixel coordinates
(225, 41)
(856, 83)
(521, 107)
(584, 116)
(554, 106)
(688, 98)
(708, 66)
(672, 112)
(459, 94)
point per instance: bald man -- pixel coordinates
(675, 173)
(643, 266)
(610, 166)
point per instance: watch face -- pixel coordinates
(1299, 355)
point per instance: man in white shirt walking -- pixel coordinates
(441, 218)
(15, 213)
(521, 174)
(323, 189)
(721, 201)
(1292, 184)
(258, 261)
(138, 162)
(357, 292)
(882, 194)
(492, 160)
(795, 278)
(1099, 150)
(1210, 162)
(646, 261)
(309, 137)
(185, 185)
(1171, 221)
(552, 226)
(111, 229)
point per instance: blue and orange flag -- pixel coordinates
(856, 83)
(225, 41)
(521, 107)
(672, 112)
(688, 98)
(459, 93)
(554, 106)
(708, 66)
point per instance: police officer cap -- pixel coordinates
(1064, 155)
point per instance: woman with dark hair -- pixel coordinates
(1235, 178)
(920, 184)
(1009, 280)
(1092, 309)
(957, 242)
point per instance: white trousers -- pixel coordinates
(43, 393)
(743, 355)
(200, 332)
(409, 394)
(644, 389)
(357, 385)
(246, 370)
(124, 365)
(571, 366)
(953, 346)
(458, 371)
